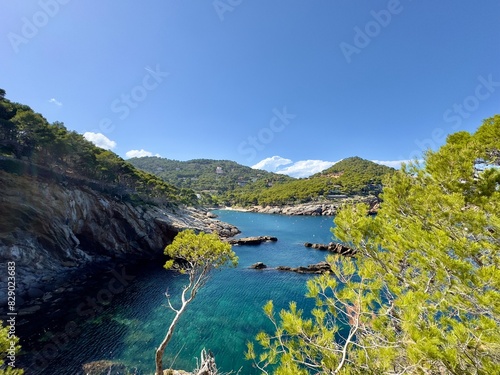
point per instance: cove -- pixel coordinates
(226, 313)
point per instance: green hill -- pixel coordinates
(349, 177)
(27, 138)
(355, 174)
(209, 176)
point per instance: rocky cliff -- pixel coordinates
(50, 227)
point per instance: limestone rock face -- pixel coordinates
(50, 227)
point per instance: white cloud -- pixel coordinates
(100, 140)
(306, 168)
(302, 168)
(272, 164)
(55, 101)
(139, 154)
(392, 163)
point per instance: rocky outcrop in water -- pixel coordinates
(252, 240)
(51, 227)
(258, 266)
(317, 268)
(333, 247)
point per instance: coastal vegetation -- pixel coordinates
(423, 294)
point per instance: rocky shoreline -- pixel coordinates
(313, 209)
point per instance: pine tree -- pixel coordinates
(423, 295)
(195, 255)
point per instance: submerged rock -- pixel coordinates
(104, 368)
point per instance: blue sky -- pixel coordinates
(289, 85)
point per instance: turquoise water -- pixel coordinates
(226, 313)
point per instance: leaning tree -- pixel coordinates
(195, 255)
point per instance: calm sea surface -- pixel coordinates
(226, 313)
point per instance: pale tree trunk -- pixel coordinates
(195, 282)
(164, 343)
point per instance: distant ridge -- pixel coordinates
(207, 175)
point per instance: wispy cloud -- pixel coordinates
(302, 168)
(100, 140)
(140, 154)
(55, 101)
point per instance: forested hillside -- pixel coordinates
(27, 136)
(349, 177)
(356, 172)
(205, 175)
